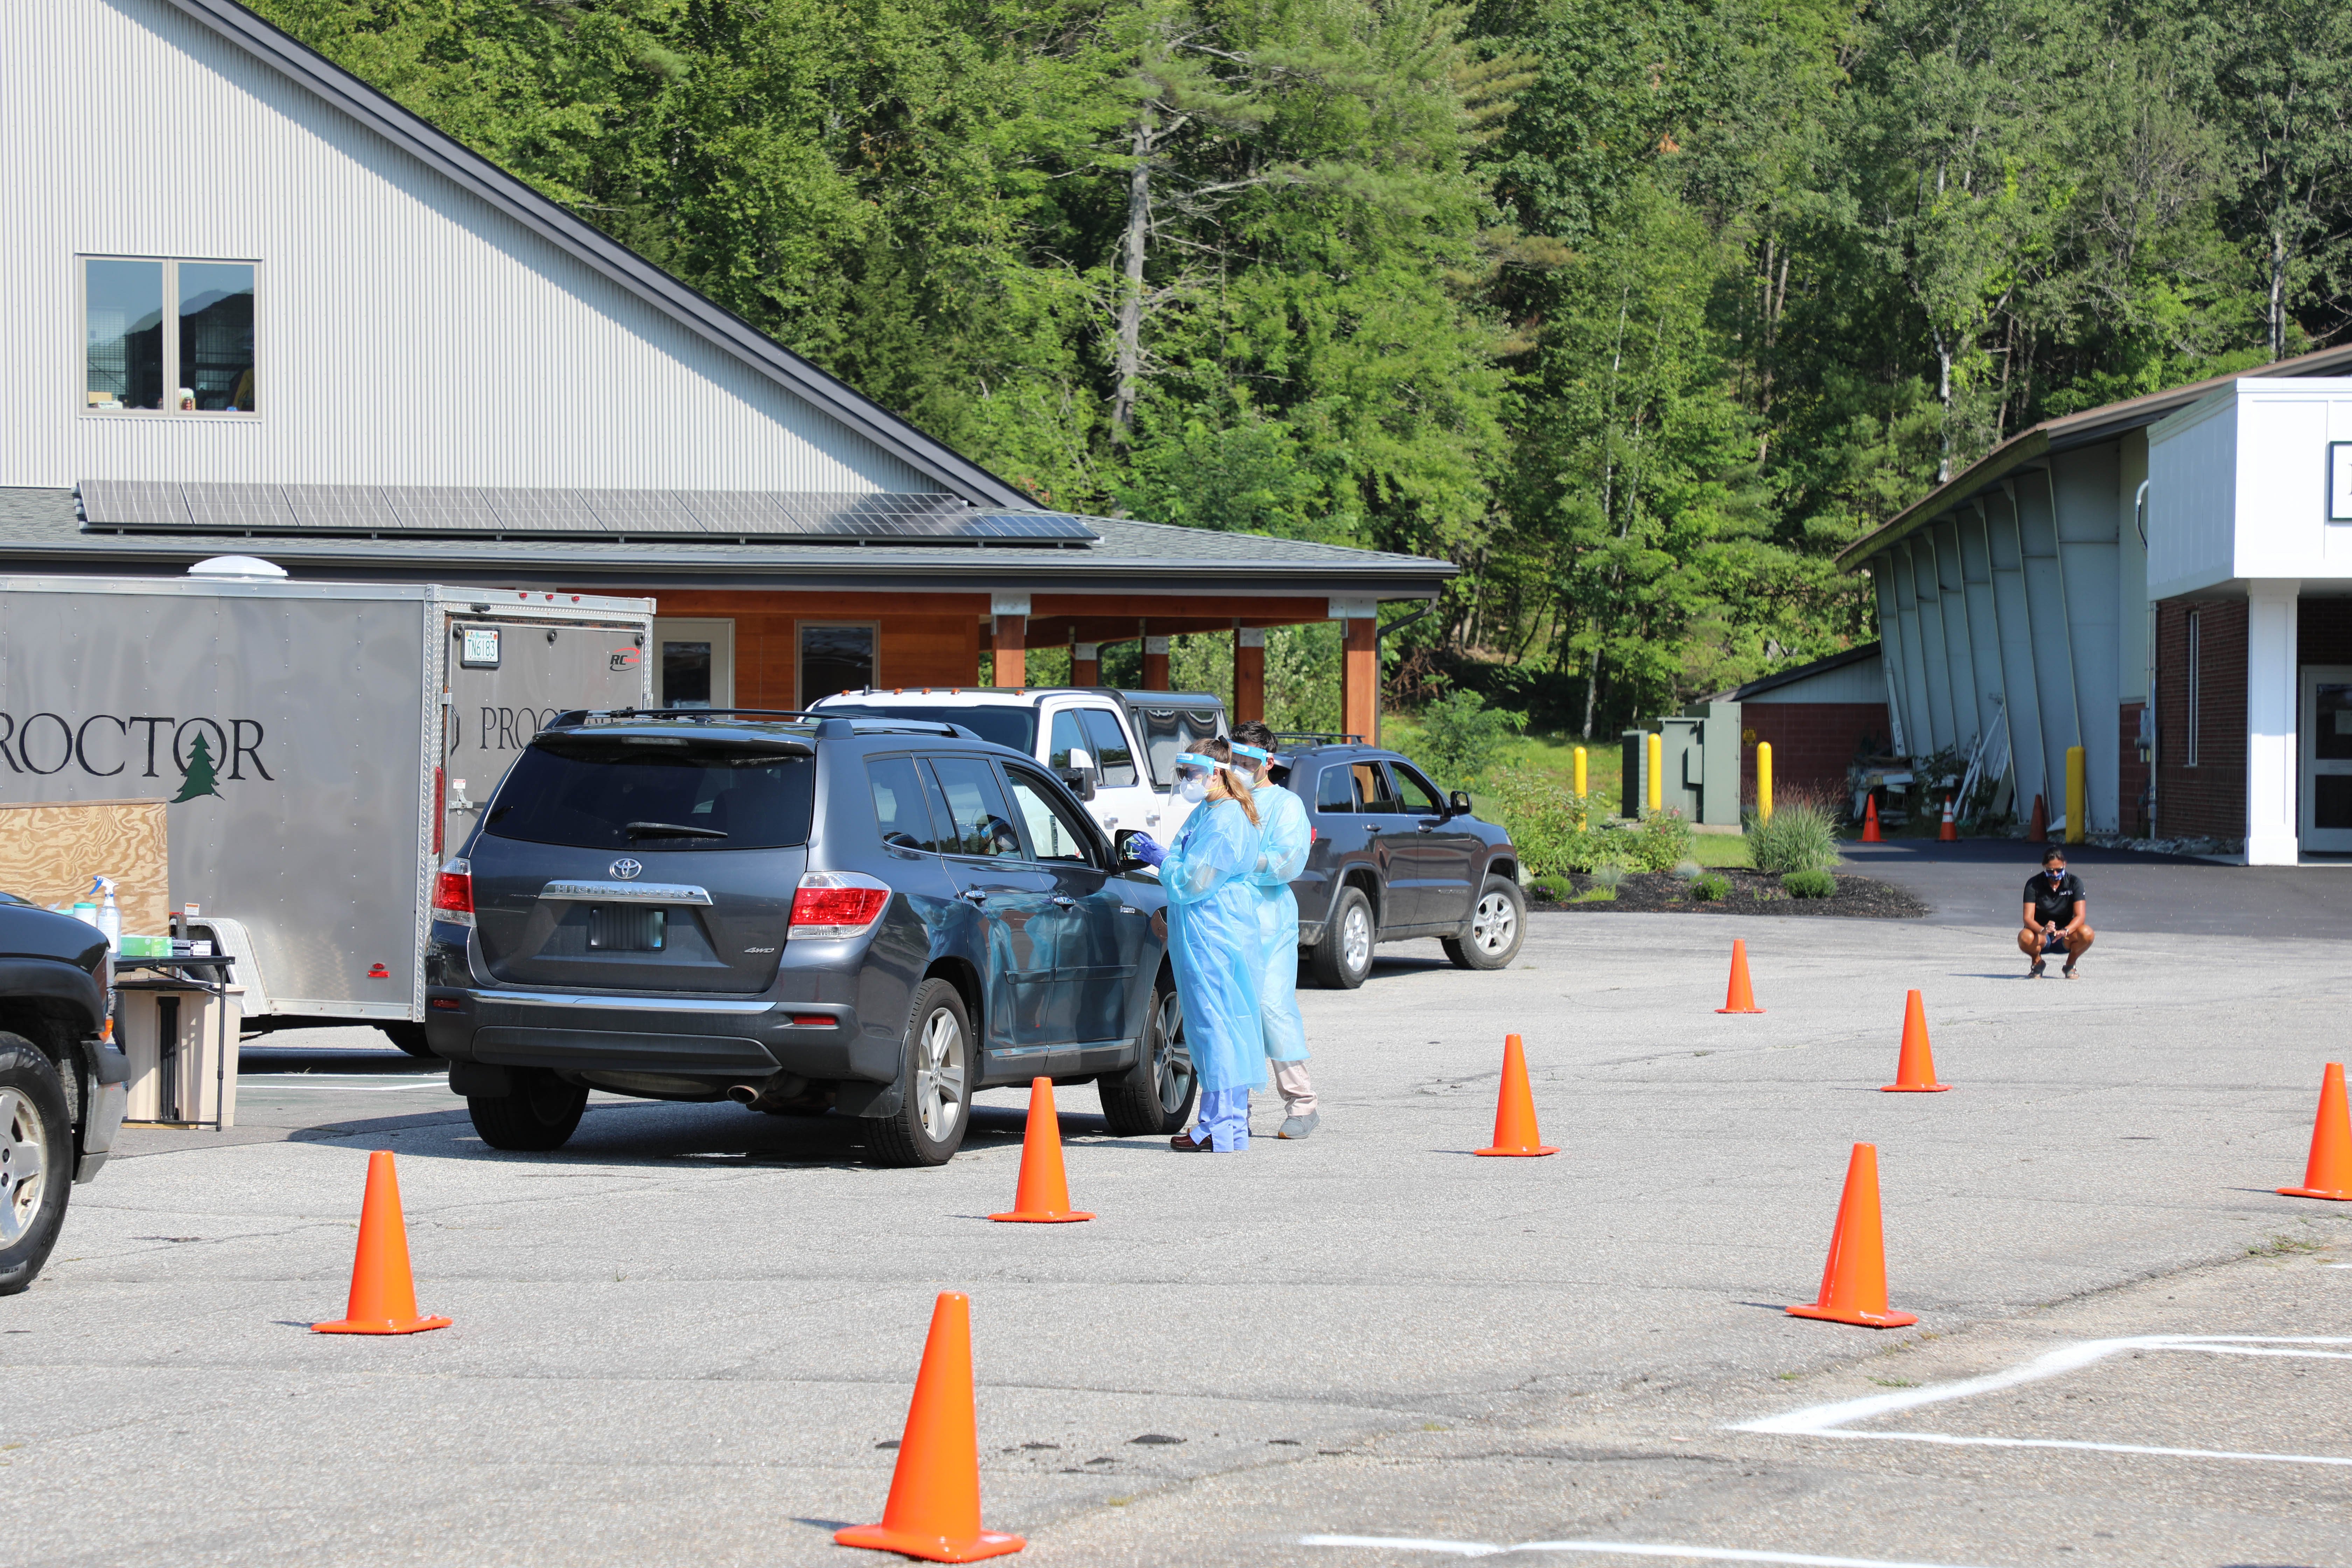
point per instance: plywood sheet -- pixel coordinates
(49, 854)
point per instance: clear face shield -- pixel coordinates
(1250, 761)
(1192, 773)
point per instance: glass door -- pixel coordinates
(2326, 745)
(694, 663)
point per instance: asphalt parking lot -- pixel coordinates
(684, 1336)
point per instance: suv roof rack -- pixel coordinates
(1301, 739)
(582, 715)
(865, 724)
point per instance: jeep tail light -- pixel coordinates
(453, 893)
(837, 904)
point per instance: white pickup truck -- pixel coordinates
(1116, 750)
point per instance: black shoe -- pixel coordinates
(2035, 972)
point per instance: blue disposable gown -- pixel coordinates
(1283, 840)
(1213, 940)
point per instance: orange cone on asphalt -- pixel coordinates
(1740, 997)
(1042, 1195)
(2038, 830)
(2329, 1173)
(934, 1507)
(1853, 1284)
(1950, 831)
(1515, 1107)
(384, 1293)
(1914, 1069)
(1870, 820)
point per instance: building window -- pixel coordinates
(835, 658)
(205, 364)
(2194, 682)
(694, 663)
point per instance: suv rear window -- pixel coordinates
(587, 792)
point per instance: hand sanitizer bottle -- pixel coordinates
(109, 916)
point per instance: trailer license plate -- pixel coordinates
(626, 930)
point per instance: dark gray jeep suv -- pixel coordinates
(801, 914)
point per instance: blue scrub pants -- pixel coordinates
(1223, 1120)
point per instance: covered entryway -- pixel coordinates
(2327, 774)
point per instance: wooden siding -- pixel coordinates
(927, 639)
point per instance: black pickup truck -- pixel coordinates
(1393, 860)
(62, 1078)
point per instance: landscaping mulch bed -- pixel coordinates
(1752, 893)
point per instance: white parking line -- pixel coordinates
(1828, 1420)
(1620, 1548)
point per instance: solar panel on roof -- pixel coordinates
(555, 512)
(341, 509)
(133, 502)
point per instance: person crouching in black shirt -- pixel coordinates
(2057, 917)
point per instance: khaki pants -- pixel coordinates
(1297, 1093)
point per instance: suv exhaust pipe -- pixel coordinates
(777, 1090)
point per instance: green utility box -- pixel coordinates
(1699, 757)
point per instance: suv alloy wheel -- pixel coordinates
(36, 1160)
(935, 1083)
(1498, 924)
(1344, 957)
(1155, 1095)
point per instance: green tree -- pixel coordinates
(199, 776)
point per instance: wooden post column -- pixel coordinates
(1011, 642)
(1359, 678)
(1085, 664)
(1249, 676)
(1155, 664)
(1011, 648)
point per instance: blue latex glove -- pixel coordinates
(1146, 849)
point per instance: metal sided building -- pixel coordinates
(266, 310)
(2046, 591)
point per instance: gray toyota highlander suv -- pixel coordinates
(801, 914)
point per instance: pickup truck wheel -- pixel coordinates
(1344, 957)
(36, 1160)
(1155, 1096)
(540, 1113)
(1497, 925)
(935, 1082)
(409, 1038)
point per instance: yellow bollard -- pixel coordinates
(1657, 770)
(1579, 770)
(1763, 781)
(2078, 803)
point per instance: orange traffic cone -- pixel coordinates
(2329, 1173)
(1914, 1069)
(1853, 1284)
(1950, 831)
(1042, 1196)
(384, 1293)
(2038, 830)
(1870, 820)
(1515, 1107)
(1740, 998)
(934, 1507)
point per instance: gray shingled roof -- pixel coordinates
(40, 529)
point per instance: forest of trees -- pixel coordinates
(1637, 311)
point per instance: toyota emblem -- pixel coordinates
(628, 870)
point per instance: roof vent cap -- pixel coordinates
(236, 567)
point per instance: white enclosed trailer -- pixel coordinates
(309, 738)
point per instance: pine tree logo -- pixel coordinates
(198, 776)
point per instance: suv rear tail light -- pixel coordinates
(453, 893)
(837, 904)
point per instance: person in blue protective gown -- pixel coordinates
(1214, 945)
(1284, 840)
